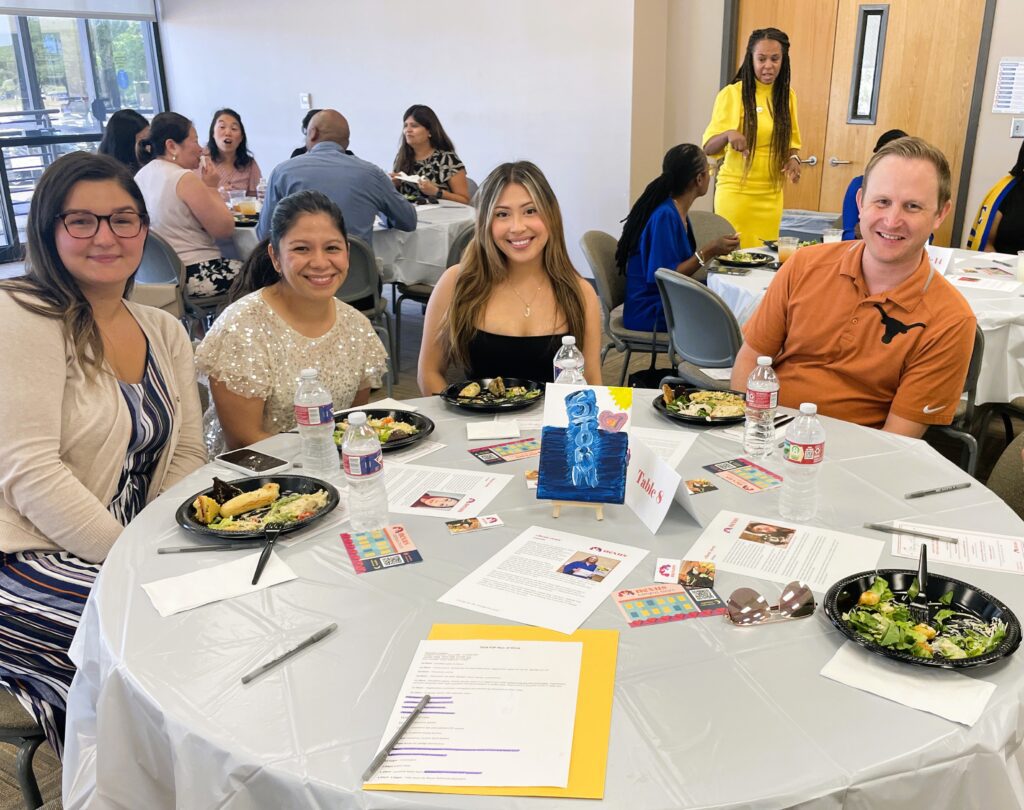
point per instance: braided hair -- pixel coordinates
(681, 166)
(782, 127)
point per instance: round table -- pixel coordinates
(705, 714)
(421, 256)
(1000, 315)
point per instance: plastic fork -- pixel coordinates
(919, 603)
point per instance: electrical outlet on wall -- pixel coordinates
(306, 102)
(1017, 128)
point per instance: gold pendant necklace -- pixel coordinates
(526, 304)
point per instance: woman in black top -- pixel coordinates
(1007, 232)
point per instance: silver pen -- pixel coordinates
(383, 753)
(885, 527)
(211, 547)
(313, 639)
(950, 488)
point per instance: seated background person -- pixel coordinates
(228, 149)
(99, 413)
(658, 234)
(427, 152)
(999, 225)
(356, 186)
(870, 331)
(185, 208)
(851, 213)
(121, 137)
(504, 309)
(288, 319)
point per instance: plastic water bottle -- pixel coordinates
(803, 451)
(314, 414)
(567, 352)
(364, 469)
(261, 189)
(571, 375)
(762, 400)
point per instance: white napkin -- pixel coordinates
(409, 178)
(386, 403)
(492, 430)
(718, 373)
(175, 594)
(943, 692)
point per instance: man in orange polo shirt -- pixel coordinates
(868, 330)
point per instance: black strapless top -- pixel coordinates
(529, 358)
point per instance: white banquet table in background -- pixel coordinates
(421, 256)
(1000, 315)
(705, 714)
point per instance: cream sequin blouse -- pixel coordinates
(256, 354)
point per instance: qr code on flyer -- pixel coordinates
(702, 593)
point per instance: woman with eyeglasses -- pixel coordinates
(658, 234)
(754, 126)
(99, 413)
(186, 208)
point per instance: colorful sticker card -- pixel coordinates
(657, 604)
(378, 549)
(465, 525)
(507, 451)
(745, 474)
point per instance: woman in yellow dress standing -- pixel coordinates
(754, 125)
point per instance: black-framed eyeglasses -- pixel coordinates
(85, 224)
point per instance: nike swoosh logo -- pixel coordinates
(928, 409)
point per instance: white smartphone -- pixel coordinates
(253, 462)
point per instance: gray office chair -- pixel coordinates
(160, 283)
(18, 728)
(1007, 477)
(472, 185)
(599, 250)
(363, 282)
(421, 291)
(965, 425)
(708, 226)
(702, 330)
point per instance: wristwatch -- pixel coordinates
(440, 191)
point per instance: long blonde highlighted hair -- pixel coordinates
(483, 266)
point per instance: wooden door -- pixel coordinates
(927, 80)
(811, 27)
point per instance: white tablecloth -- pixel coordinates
(706, 715)
(421, 256)
(1000, 315)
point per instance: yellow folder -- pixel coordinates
(589, 756)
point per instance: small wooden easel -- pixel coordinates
(597, 507)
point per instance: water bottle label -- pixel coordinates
(762, 400)
(362, 465)
(803, 453)
(313, 415)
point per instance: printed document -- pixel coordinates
(501, 713)
(440, 492)
(782, 551)
(546, 578)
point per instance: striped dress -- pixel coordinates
(42, 594)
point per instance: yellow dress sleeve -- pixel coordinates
(794, 137)
(727, 112)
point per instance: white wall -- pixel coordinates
(543, 80)
(994, 151)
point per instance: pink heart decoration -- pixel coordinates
(613, 422)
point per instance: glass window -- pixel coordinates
(60, 79)
(867, 64)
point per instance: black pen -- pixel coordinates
(313, 639)
(383, 753)
(950, 488)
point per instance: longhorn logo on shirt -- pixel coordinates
(893, 326)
